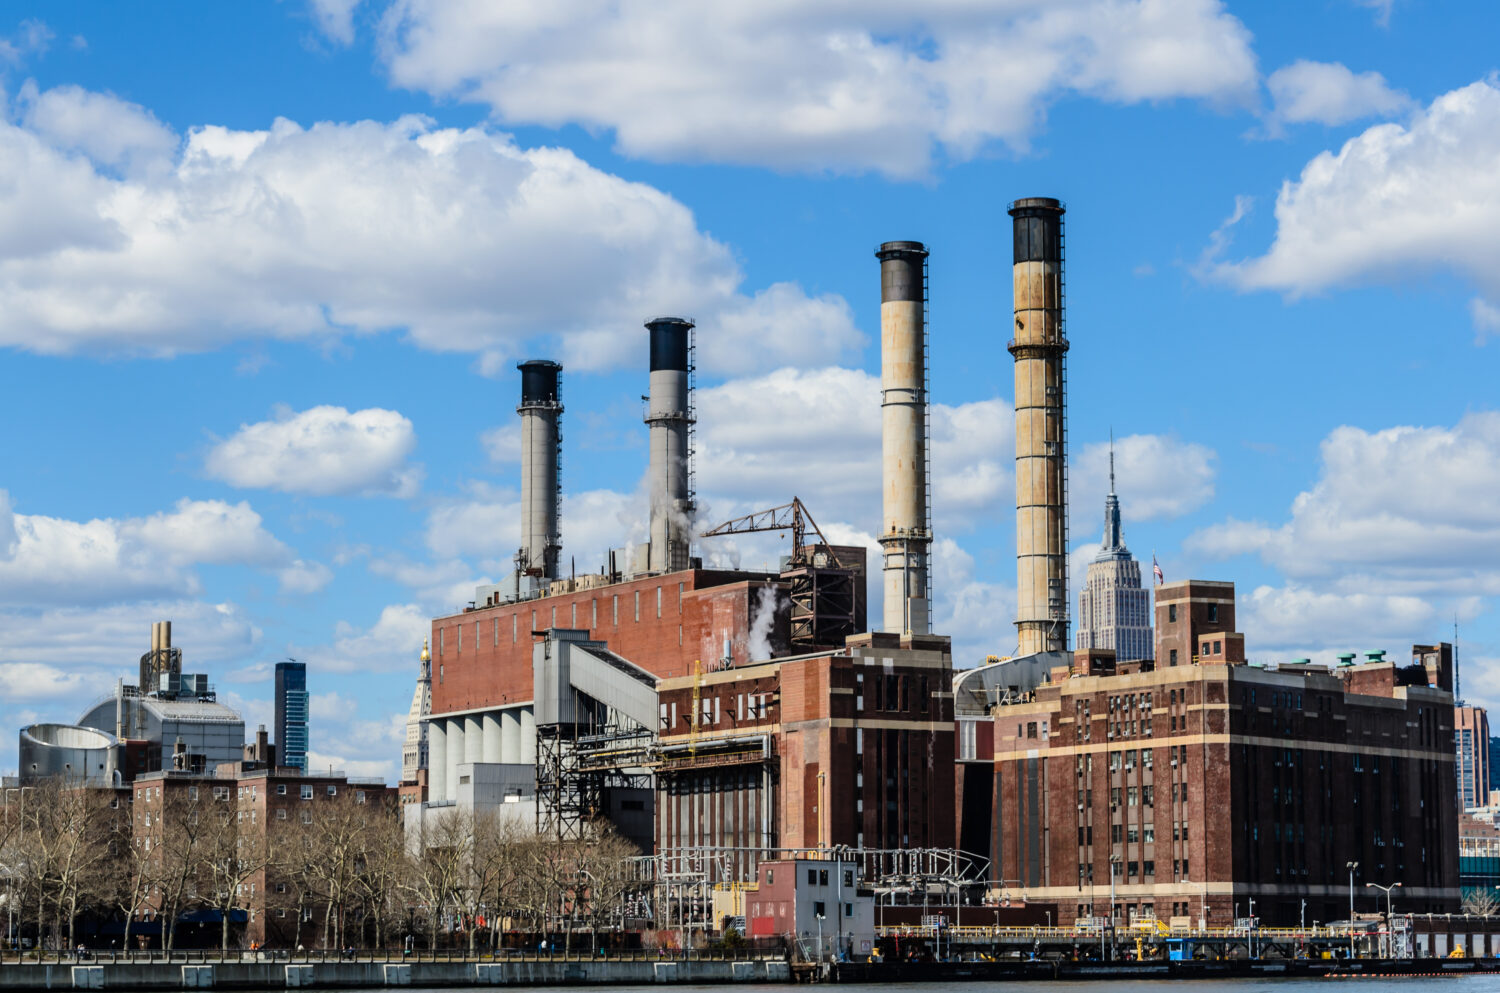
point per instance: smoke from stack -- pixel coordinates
(906, 534)
(669, 416)
(1040, 347)
(541, 410)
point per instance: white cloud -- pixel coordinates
(1329, 93)
(1382, 9)
(465, 240)
(53, 560)
(110, 131)
(335, 19)
(1394, 202)
(1486, 317)
(1300, 621)
(391, 644)
(979, 615)
(322, 451)
(1157, 477)
(1403, 510)
(879, 85)
(89, 647)
(502, 444)
(32, 37)
(37, 681)
(755, 433)
(304, 577)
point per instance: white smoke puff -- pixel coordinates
(763, 623)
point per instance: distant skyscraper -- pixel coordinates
(1471, 739)
(414, 755)
(291, 714)
(1113, 610)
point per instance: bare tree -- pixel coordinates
(1481, 902)
(607, 861)
(80, 822)
(177, 836)
(438, 861)
(339, 838)
(383, 864)
(229, 860)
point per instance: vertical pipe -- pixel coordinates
(541, 410)
(510, 735)
(905, 536)
(473, 739)
(1039, 347)
(669, 417)
(456, 755)
(528, 737)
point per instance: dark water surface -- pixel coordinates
(1405, 984)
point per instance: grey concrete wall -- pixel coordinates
(262, 975)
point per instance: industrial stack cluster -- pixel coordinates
(727, 721)
(1146, 774)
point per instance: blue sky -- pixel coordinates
(266, 269)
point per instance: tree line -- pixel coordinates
(77, 864)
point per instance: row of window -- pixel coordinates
(515, 625)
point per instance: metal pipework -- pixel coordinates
(1040, 348)
(541, 481)
(905, 532)
(670, 418)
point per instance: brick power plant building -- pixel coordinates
(723, 719)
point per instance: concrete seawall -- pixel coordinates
(364, 975)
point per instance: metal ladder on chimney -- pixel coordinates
(927, 442)
(1061, 614)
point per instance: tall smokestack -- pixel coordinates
(541, 482)
(1040, 347)
(906, 532)
(670, 417)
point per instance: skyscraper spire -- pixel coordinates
(1113, 545)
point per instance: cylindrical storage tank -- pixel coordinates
(491, 732)
(669, 419)
(541, 412)
(473, 739)
(456, 755)
(1040, 348)
(528, 737)
(905, 536)
(437, 759)
(76, 755)
(510, 735)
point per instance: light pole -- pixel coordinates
(1389, 926)
(820, 937)
(1351, 866)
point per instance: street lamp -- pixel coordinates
(1351, 866)
(1389, 926)
(820, 937)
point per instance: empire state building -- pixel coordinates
(1113, 610)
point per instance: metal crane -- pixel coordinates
(789, 516)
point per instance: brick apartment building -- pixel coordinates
(1199, 783)
(851, 747)
(267, 805)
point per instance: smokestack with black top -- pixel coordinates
(541, 483)
(1040, 348)
(670, 418)
(906, 531)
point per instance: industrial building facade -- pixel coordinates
(1137, 789)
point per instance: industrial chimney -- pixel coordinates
(541, 481)
(906, 529)
(670, 417)
(1040, 348)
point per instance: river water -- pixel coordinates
(1373, 984)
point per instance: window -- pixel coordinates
(770, 876)
(307, 817)
(1213, 613)
(822, 877)
(658, 602)
(848, 877)
(281, 815)
(820, 908)
(359, 796)
(616, 608)
(1172, 657)
(637, 605)
(812, 877)
(848, 910)
(333, 791)
(281, 789)
(1171, 613)
(307, 791)
(192, 795)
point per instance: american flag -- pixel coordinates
(1157, 570)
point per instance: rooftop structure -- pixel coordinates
(1114, 612)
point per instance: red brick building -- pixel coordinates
(1199, 786)
(849, 747)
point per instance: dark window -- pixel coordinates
(1172, 659)
(1172, 613)
(820, 909)
(823, 877)
(812, 877)
(1213, 613)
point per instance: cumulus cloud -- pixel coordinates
(1403, 510)
(391, 644)
(1156, 477)
(979, 614)
(1486, 317)
(1304, 621)
(110, 131)
(754, 433)
(879, 85)
(458, 236)
(321, 452)
(1394, 201)
(53, 560)
(335, 19)
(304, 577)
(1330, 93)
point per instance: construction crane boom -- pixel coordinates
(789, 516)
